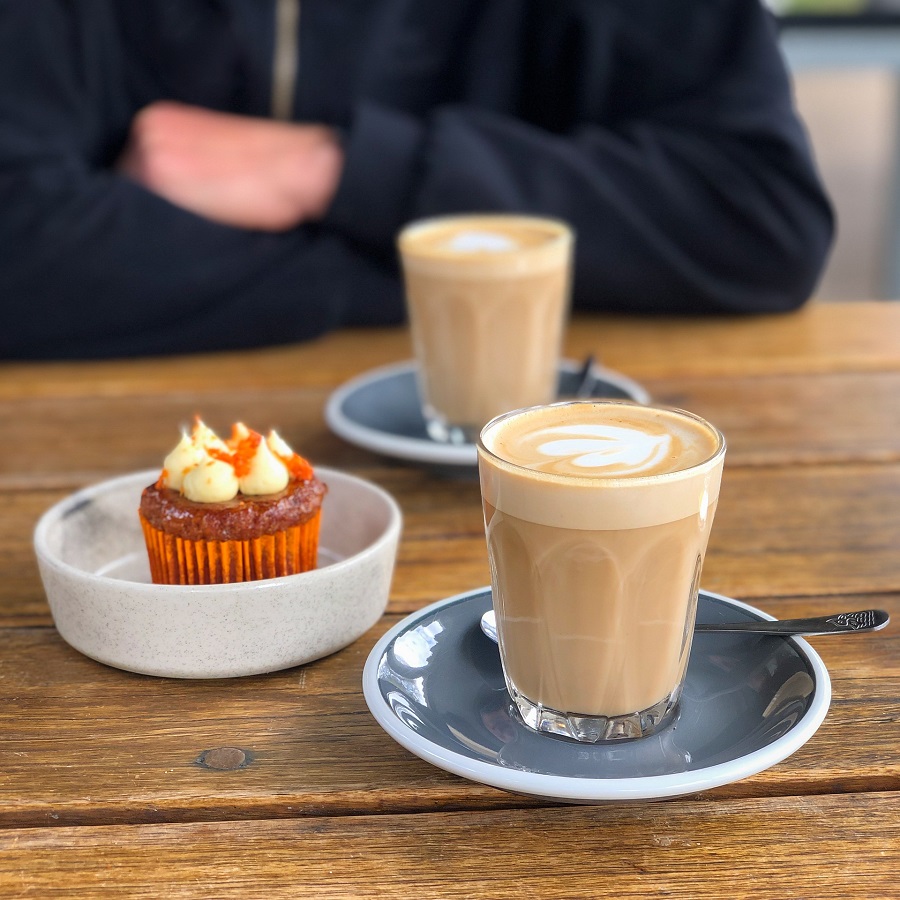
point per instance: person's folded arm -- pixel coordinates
(698, 196)
(93, 264)
(101, 267)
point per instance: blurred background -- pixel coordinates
(845, 57)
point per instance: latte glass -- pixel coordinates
(597, 516)
(487, 298)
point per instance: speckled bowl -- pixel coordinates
(94, 567)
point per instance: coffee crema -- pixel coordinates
(602, 439)
(485, 245)
(651, 464)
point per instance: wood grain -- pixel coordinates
(778, 531)
(770, 420)
(821, 338)
(284, 784)
(795, 419)
(109, 747)
(841, 847)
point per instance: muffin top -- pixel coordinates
(235, 489)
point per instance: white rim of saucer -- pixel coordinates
(422, 449)
(651, 787)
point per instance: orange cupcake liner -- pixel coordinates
(175, 560)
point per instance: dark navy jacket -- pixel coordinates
(663, 130)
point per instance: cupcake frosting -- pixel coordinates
(206, 469)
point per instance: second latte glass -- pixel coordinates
(597, 516)
(488, 299)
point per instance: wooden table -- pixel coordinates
(102, 789)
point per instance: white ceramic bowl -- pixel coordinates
(94, 566)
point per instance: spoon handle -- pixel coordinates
(864, 620)
(840, 623)
(586, 379)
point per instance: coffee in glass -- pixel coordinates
(597, 517)
(488, 298)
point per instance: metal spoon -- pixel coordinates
(840, 623)
(586, 379)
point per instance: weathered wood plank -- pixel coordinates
(769, 420)
(111, 746)
(807, 523)
(822, 337)
(778, 532)
(839, 847)
(798, 419)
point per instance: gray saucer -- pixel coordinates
(434, 683)
(380, 411)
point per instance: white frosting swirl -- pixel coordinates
(206, 469)
(279, 446)
(212, 481)
(267, 474)
(186, 456)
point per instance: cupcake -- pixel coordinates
(242, 509)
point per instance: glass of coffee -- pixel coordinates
(597, 516)
(488, 298)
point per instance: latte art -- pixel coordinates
(607, 447)
(602, 440)
(550, 464)
(480, 242)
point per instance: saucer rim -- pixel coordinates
(420, 449)
(595, 790)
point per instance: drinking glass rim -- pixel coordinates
(563, 231)
(611, 480)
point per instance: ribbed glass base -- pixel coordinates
(594, 729)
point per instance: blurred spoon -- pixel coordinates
(840, 623)
(586, 379)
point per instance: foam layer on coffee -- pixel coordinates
(609, 440)
(484, 243)
(600, 465)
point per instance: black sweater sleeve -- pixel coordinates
(664, 132)
(93, 265)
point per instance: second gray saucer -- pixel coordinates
(380, 411)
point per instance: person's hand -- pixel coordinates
(236, 170)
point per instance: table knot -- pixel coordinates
(223, 758)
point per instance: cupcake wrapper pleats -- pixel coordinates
(175, 560)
